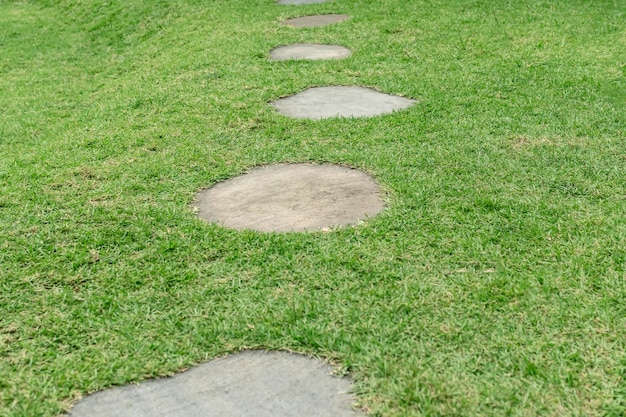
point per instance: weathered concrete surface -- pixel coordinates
(309, 51)
(339, 101)
(248, 384)
(301, 1)
(315, 20)
(291, 197)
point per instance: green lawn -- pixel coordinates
(493, 284)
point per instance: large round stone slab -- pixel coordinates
(248, 384)
(309, 51)
(339, 101)
(301, 1)
(291, 197)
(315, 20)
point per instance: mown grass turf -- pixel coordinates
(493, 284)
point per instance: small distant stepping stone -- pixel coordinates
(340, 101)
(309, 51)
(291, 197)
(315, 21)
(247, 384)
(301, 1)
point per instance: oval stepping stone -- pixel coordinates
(309, 51)
(315, 20)
(301, 1)
(339, 101)
(247, 384)
(291, 197)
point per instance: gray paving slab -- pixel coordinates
(291, 197)
(309, 51)
(301, 1)
(247, 384)
(315, 20)
(339, 101)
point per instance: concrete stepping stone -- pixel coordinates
(301, 1)
(339, 101)
(291, 197)
(315, 20)
(247, 384)
(309, 51)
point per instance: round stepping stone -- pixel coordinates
(291, 197)
(315, 21)
(301, 1)
(309, 51)
(247, 384)
(340, 101)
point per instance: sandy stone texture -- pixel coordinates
(315, 20)
(291, 197)
(301, 1)
(309, 51)
(339, 101)
(247, 384)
